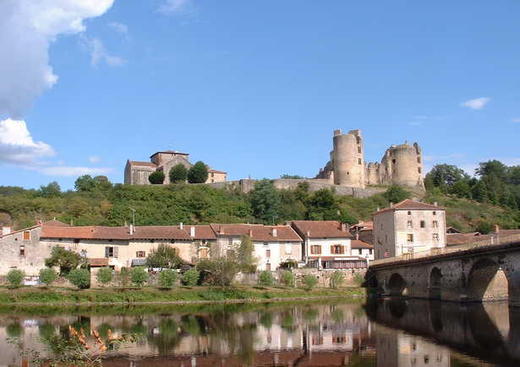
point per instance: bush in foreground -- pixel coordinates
(266, 279)
(48, 276)
(191, 277)
(80, 278)
(336, 279)
(104, 276)
(15, 278)
(287, 279)
(138, 276)
(167, 278)
(309, 282)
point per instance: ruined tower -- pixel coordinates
(402, 165)
(348, 160)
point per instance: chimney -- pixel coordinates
(308, 233)
(131, 229)
(497, 228)
(378, 209)
(181, 225)
(343, 227)
(391, 205)
(250, 233)
(192, 231)
(275, 232)
(357, 235)
(435, 203)
(221, 230)
(6, 230)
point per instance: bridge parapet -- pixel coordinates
(495, 240)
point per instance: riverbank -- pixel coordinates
(180, 296)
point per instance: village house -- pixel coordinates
(407, 227)
(274, 245)
(328, 245)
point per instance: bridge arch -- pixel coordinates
(487, 281)
(396, 285)
(435, 283)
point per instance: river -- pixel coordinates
(385, 334)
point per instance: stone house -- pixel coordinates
(273, 245)
(362, 249)
(327, 245)
(407, 227)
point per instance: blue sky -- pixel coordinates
(257, 87)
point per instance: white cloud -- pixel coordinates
(98, 53)
(72, 171)
(119, 27)
(17, 145)
(27, 28)
(174, 6)
(516, 119)
(477, 103)
(94, 159)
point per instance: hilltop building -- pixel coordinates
(137, 173)
(407, 227)
(401, 164)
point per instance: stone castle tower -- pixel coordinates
(401, 164)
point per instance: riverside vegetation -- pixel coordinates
(472, 203)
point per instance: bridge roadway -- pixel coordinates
(481, 271)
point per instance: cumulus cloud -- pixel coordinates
(174, 6)
(18, 147)
(27, 28)
(99, 54)
(477, 103)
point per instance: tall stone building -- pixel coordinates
(137, 173)
(401, 164)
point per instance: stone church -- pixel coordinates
(137, 173)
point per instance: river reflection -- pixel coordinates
(410, 333)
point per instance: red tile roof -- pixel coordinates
(98, 262)
(320, 229)
(258, 232)
(411, 205)
(115, 233)
(147, 164)
(360, 244)
(215, 171)
(202, 232)
(56, 223)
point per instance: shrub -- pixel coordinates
(359, 279)
(15, 278)
(48, 276)
(309, 282)
(124, 277)
(156, 178)
(396, 194)
(287, 278)
(198, 173)
(178, 173)
(164, 256)
(266, 279)
(336, 279)
(65, 259)
(191, 277)
(104, 276)
(221, 271)
(139, 276)
(80, 278)
(167, 278)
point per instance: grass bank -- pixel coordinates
(181, 295)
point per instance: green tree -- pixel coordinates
(396, 194)
(15, 278)
(245, 255)
(484, 227)
(80, 278)
(220, 271)
(190, 278)
(265, 202)
(287, 278)
(493, 168)
(347, 217)
(85, 183)
(462, 189)
(52, 190)
(445, 176)
(322, 205)
(178, 173)
(336, 279)
(167, 278)
(266, 279)
(198, 173)
(103, 183)
(163, 256)
(138, 276)
(479, 192)
(47, 276)
(291, 177)
(309, 282)
(104, 276)
(156, 178)
(66, 260)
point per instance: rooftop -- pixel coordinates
(410, 205)
(320, 229)
(257, 232)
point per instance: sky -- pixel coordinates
(254, 88)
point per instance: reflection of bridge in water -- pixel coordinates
(489, 332)
(476, 272)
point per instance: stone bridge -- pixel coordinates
(475, 272)
(490, 331)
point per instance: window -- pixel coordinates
(370, 251)
(268, 267)
(418, 159)
(230, 241)
(76, 241)
(337, 249)
(109, 251)
(418, 169)
(359, 149)
(393, 161)
(435, 236)
(434, 213)
(26, 235)
(140, 254)
(317, 340)
(316, 249)
(288, 249)
(409, 224)
(435, 224)
(409, 212)
(409, 237)
(22, 250)
(423, 224)
(359, 160)
(339, 339)
(267, 253)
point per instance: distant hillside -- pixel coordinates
(98, 202)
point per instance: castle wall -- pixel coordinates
(348, 159)
(372, 174)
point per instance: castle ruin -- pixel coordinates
(401, 164)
